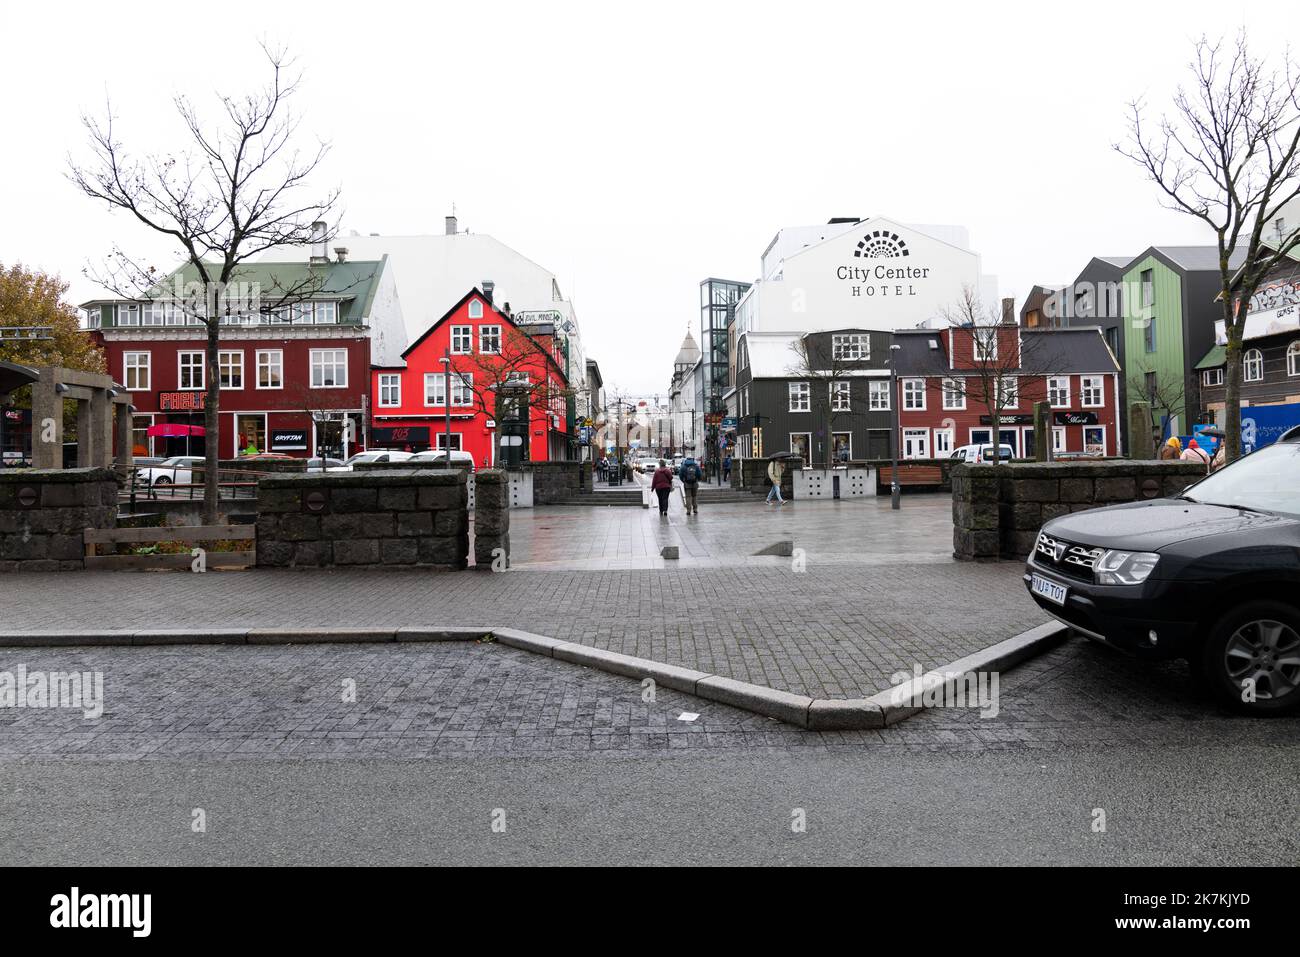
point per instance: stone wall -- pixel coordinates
(556, 481)
(43, 513)
(408, 517)
(998, 510)
(491, 518)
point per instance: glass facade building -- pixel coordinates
(718, 299)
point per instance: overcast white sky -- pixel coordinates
(636, 149)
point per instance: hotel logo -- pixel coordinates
(881, 244)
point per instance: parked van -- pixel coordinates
(974, 454)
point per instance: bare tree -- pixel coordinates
(1000, 357)
(1229, 156)
(523, 366)
(233, 195)
(1160, 393)
(829, 375)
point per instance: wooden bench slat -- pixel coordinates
(182, 533)
(144, 562)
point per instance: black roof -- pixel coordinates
(1069, 350)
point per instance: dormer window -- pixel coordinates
(476, 309)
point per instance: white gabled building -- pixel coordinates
(874, 274)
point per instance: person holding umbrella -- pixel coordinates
(775, 472)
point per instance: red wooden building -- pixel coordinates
(485, 347)
(293, 379)
(941, 400)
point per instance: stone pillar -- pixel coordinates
(47, 422)
(1042, 431)
(125, 457)
(44, 513)
(975, 516)
(1141, 442)
(491, 520)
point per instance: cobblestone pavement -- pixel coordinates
(412, 702)
(858, 531)
(832, 631)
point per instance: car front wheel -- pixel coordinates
(1251, 659)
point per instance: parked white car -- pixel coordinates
(439, 457)
(974, 454)
(177, 470)
(371, 455)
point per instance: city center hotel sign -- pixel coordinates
(880, 275)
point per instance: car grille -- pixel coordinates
(1066, 557)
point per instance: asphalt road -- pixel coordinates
(1163, 805)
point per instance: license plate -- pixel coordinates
(1048, 589)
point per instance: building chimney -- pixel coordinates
(342, 253)
(318, 254)
(451, 225)
(1009, 311)
(488, 286)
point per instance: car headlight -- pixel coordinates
(1124, 568)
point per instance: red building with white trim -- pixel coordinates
(940, 395)
(484, 345)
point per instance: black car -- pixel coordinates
(1212, 576)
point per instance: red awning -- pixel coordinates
(172, 430)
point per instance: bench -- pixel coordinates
(909, 476)
(187, 535)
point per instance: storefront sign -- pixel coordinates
(1074, 418)
(182, 401)
(1019, 419)
(288, 440)
(402, 435)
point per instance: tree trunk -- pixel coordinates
(212, 439)
(1232, 396)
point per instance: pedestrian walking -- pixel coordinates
(1220, 457)
(775, 471)
(662, 485)
(690, 475)
(1194, 453)
(726, 467)
(1172, 449)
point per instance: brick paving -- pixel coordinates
(419, 701)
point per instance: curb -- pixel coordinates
(815, 714)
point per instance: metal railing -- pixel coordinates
(178, 482)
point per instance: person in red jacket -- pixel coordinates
(662, 485)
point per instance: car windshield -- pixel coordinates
(362, 457)
(174, 460)
(1267, 480)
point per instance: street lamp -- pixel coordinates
(894, 349)
(446, 403)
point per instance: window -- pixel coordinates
(1252, 366)
(489, 339)
(1293, 358)
(1009, 387)
(1090, 387)
(135, 371)
(1094, 439)
(230, 368)
(914, 394)
(879, 395)
(152, 314)
(1215, 376)
(1152, 385)
(326, 313)
(985, 343)
(476, 309)
(190, 368)
(270, 369)
(943, 443)
(94, 317)
(800, 443)
(1058, 392)
(462, 340)
(850, 348)
(1149, 335)
(954, 399)
(840, 395)
(329, 368)
(435, 389)
(390, 390)
(455, 441)
(1148, 288)
(128, 315)
(798, 396)
(300, 313)
(462, 388)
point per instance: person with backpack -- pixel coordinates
(690, 475)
